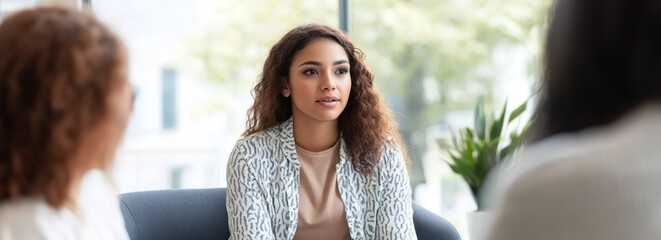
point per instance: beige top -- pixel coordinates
(601, 183)
(321, 211)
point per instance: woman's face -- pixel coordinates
(108, 134)
(121, 102)
(319, 81)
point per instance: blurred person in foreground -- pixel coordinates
(64, 106)
(593, 169)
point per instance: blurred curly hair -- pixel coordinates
(58, 67)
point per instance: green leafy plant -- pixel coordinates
(475, 151)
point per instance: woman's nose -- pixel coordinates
(328, 83)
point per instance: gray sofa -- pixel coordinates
(201, 214)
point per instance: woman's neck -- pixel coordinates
(316, 136)
(73, 193)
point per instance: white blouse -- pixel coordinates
(33, 218)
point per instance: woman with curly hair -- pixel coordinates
(64, 105)
(321, 157)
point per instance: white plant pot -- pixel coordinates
(478, 222)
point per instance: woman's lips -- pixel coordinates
(328, 101)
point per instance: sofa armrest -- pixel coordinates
(176, 214)
(429, 226)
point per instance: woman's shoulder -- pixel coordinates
(392, 157)
(25, 207)
(595, 146)
(261, 139)
(264, 143)
(558, 164)
(590, 150)
(282, 131)
(550, 160)
(250, 147)
(390, 145)
(33, 218)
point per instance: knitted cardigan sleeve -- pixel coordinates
(395, 216)
(246, 204)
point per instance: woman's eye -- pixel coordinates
(341, 71)
(309, 72)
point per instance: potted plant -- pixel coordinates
(475, 151)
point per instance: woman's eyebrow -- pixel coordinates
(340, 62)
(319, 64)
(311, 63)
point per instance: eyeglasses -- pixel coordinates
(134, 95)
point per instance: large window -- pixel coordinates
(434, 59)
(194, 63)
(9, 6)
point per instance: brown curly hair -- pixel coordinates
(58, 68)
(365, 123)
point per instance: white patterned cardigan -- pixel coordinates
(263, 175)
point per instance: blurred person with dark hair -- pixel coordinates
(593, 168)
(64, 105)
(321, 157)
